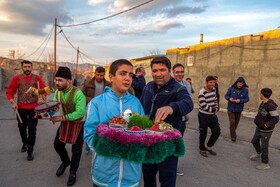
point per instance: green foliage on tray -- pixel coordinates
(141, 121)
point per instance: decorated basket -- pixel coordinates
(146, 148)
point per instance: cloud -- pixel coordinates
(30, 17)
(158, 27)
(175, 11)
(95, 2)
(163, 7)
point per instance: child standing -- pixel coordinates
(265, 120)
(106, 171)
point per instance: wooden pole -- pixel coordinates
(54, 52)
(77, 64)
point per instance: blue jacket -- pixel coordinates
(172, 94)
(233, 93)
(138, 83)
(105, 171)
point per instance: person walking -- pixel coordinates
(208, 107)
(179, 73)
(166, 100)
(265, 121)
(107, 171)
(73, 103)
(236, 96)
(25, 105)
(95, 87)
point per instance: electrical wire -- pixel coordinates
(45, 47)
(41, 43)
(64, 35)
(101, 19)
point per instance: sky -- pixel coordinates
(27, 26)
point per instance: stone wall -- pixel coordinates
(10, 68)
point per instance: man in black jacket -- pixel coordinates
(265, 120)
(164, 99)
(138, 81)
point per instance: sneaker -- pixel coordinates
(179, 172)
(203, 153)
(87, 150)
(233, 139)
(211, 151)
(255, 157)
(263, 166)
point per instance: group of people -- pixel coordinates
(266, 119)
(166, 98)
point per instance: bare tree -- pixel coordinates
(155, 51)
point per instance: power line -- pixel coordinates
(41, 43)
(45, 46)
(101, 19)
(79, 50)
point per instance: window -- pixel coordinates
(189, 60)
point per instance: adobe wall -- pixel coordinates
(255, 59)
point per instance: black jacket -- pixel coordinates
(267, 116)
(172, 94)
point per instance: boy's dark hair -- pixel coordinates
(139, 69)
(216, 77)
(266, 92)
(210, 78)
(188, 78)
(161, 60)
(100, 69)
(25, 62)
(116, 64)
(178, 65)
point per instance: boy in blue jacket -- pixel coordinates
(236, 95)
(106, 171)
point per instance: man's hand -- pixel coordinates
(237, 100)
(40, 101)
(216, 110)
(231, 100)
(163, 112)
(56, 119)
(14, 106)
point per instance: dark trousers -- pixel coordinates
(27, 116)
(76, 150)
(263, 138)
(234, 118)
(167, 173)
(214, 125)
(183, 128)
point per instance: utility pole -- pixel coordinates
(77, 63)
(54, 53)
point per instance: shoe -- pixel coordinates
(233, 139)
(72, 178)
(87, 150)
(255, 157)
(30, 156)
(211, 151)
(179, 172)
(62, 168)
(24, 148)
(263, 166)
(203, 153)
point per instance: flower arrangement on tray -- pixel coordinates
(141, 142)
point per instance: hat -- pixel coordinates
(63, 72)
